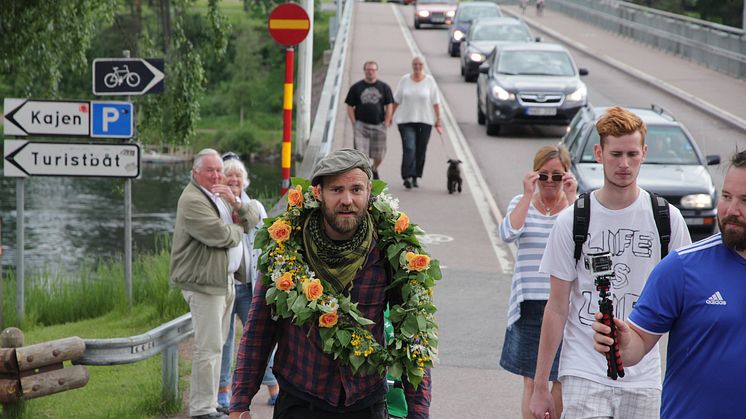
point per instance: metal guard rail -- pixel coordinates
(131, 349)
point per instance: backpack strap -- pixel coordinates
(662, 219)
(580, 222)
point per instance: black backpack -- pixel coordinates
(582, 219)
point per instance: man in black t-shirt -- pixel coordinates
(370, 108)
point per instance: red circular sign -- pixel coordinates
(289, 24)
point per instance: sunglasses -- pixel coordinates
(230, 156)
(555, 177)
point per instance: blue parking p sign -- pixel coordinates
(112, 120)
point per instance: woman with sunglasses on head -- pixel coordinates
(547, 189)
(237, 179)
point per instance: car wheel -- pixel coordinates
(481, 117)
(462, 69)
(416, 24)
(452, 50)
(493, 129)
(470, 77)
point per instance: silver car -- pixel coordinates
(483, 36)
(673, 168)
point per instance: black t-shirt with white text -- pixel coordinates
(369, 100)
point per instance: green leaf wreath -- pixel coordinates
(296, 292)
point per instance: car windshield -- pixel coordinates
(436, 1)
(510, 33)
(666, 145)
(536, 63)
(467, 14)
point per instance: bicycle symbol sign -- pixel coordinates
(127, 76)
(117, 77)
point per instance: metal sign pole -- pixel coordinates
(287, 120)
(128, 228)
(2, 282)
(20, 227)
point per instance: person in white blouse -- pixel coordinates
(547, 189)
(416, 111)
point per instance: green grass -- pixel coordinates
(120, 391)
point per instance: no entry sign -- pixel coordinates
(289, 24)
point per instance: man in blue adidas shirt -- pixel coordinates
(698, 295)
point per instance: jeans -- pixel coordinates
(414, 139)
(241, 307)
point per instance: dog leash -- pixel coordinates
(443, 143)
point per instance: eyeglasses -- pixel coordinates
(231, 156)
(556, 177)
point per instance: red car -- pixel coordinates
(434, 12)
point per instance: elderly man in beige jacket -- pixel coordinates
(206, 251)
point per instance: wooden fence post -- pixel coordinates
(13, 404)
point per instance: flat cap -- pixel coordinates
(340, 161)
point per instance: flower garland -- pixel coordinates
(296, 293)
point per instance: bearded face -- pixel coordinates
(733, 232)
(344, 219)
(344, 203)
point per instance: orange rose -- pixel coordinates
(295, 197)
(279, 231)
(313, 289)
(328, 319)
(401, 223)
(285, 282)
(417, 262)
(316, 191)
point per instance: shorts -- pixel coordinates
(582, 398)
(521, 346)
(370, 139)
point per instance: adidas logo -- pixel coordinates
(716, 299)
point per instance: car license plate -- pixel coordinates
(541, 111)
(696, 221)
(437, 19)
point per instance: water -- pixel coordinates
(70, 221)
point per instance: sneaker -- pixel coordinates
(414, 182)
(272, 400)
(375, 175)
(224, 399)
(407, 184)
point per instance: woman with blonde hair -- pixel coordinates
(416, 111)
(547, 189)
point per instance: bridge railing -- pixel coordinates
(720, 47)
(163, 339)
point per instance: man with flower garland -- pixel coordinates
(339, 244)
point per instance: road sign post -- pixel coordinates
(289, 25)
(127, 76)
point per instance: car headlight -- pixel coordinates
(423, 13)
(501, 94)
(476, 57)
(696, 201)
(578, 95)
(451, 13)
(458, 35)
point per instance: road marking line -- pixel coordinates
(486, 205)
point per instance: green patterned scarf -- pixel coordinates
(337, 263)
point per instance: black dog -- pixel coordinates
(454, 176)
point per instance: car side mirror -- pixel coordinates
(583, 71)
(713, 159)
(484, 69)
(538, 39)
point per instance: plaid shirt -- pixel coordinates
(300, 360)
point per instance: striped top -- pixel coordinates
(531, 239)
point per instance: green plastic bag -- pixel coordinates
(395, 400)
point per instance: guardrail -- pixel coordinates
(322, 132)
(163, 339)
(720, 47)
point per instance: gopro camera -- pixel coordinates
(599, 264)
